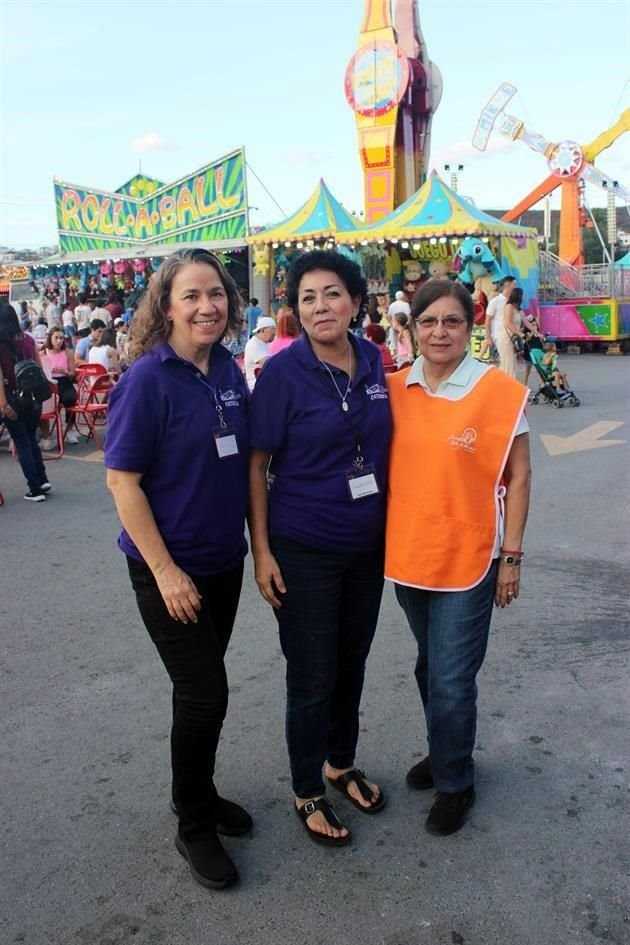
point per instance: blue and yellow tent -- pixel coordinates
(435, 211)
(322, 216)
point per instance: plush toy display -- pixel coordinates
(439, 269)
(475, 258)
(412, 276)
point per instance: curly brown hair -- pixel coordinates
(150, 324)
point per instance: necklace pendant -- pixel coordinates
(344, 406)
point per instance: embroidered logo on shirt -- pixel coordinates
(465, 440)
(230, 398)
(377, 392)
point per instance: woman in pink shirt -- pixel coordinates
(287, 330)
(59, 364)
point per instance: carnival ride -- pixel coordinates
(570, 165)
(393, 89)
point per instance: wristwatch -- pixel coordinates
(514, 560)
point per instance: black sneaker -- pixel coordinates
(419, 777)
(35, 495)
(232, 819)
(449, 811)
(209, 863)
(45, 487)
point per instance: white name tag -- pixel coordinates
(362, 484)
(226, 445)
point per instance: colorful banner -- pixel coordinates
(210, 205)
(607, 320)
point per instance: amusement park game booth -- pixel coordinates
(117, 239)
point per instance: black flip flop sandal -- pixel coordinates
(341, 784)
(322, 805)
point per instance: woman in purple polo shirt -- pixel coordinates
(176, 457)
(320, 421)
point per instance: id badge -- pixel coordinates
(362, 482)
(226, 442)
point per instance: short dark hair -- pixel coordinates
(97, 323)
(440, 289)
(253, 301)
(82, 297)
(329, 261)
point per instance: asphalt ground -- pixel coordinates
(87, 835)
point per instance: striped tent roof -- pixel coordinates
(322, 215)
(434, 211)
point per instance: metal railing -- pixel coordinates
(560, 280)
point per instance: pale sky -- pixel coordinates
(87, 90)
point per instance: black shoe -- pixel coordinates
(232, 819)
(35, 495)
(419, 777)
(449, 811)
(209, 863)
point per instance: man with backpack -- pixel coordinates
(23, 388)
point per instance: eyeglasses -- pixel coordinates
(450, 322)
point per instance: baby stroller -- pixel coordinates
(555, 396)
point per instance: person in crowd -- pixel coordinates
(400, 304)
(176, 457)
(534, 340)
(82, 350)
(53, 312)
(320, 424)
(372, 315)
(105, 352)
(114, 307)
(494, 314)
(83, 316)
(72, 300)
(21, 419)
(40, 331)
(236, 340)
(257, 348)
(22, 313)
(512, 318)
(287, 330)
(251, 314)
(102, 312)
(69, 325)
(378, 336)
(405, 347)
(453, 545)
(550, 363)
(59, 359)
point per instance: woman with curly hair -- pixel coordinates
(176, 458)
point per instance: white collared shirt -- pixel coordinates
(460, 382)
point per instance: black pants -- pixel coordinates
(327, 623)
(67, 394)
(193, 657)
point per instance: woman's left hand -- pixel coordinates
(508, 584)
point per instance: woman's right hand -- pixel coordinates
(7, 411)
(269, 578)
(179, 593)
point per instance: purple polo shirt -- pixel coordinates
(161, 420)
(296, 415)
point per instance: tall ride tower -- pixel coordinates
(393, 89)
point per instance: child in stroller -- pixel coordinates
(554, 388)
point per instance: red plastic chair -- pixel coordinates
(390, 368)
(92, 410)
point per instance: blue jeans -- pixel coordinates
(327, 623)
(451, 630)
(22, 432)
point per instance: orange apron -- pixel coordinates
(445, 480)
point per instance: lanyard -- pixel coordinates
(357, 431)
(214, 391)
